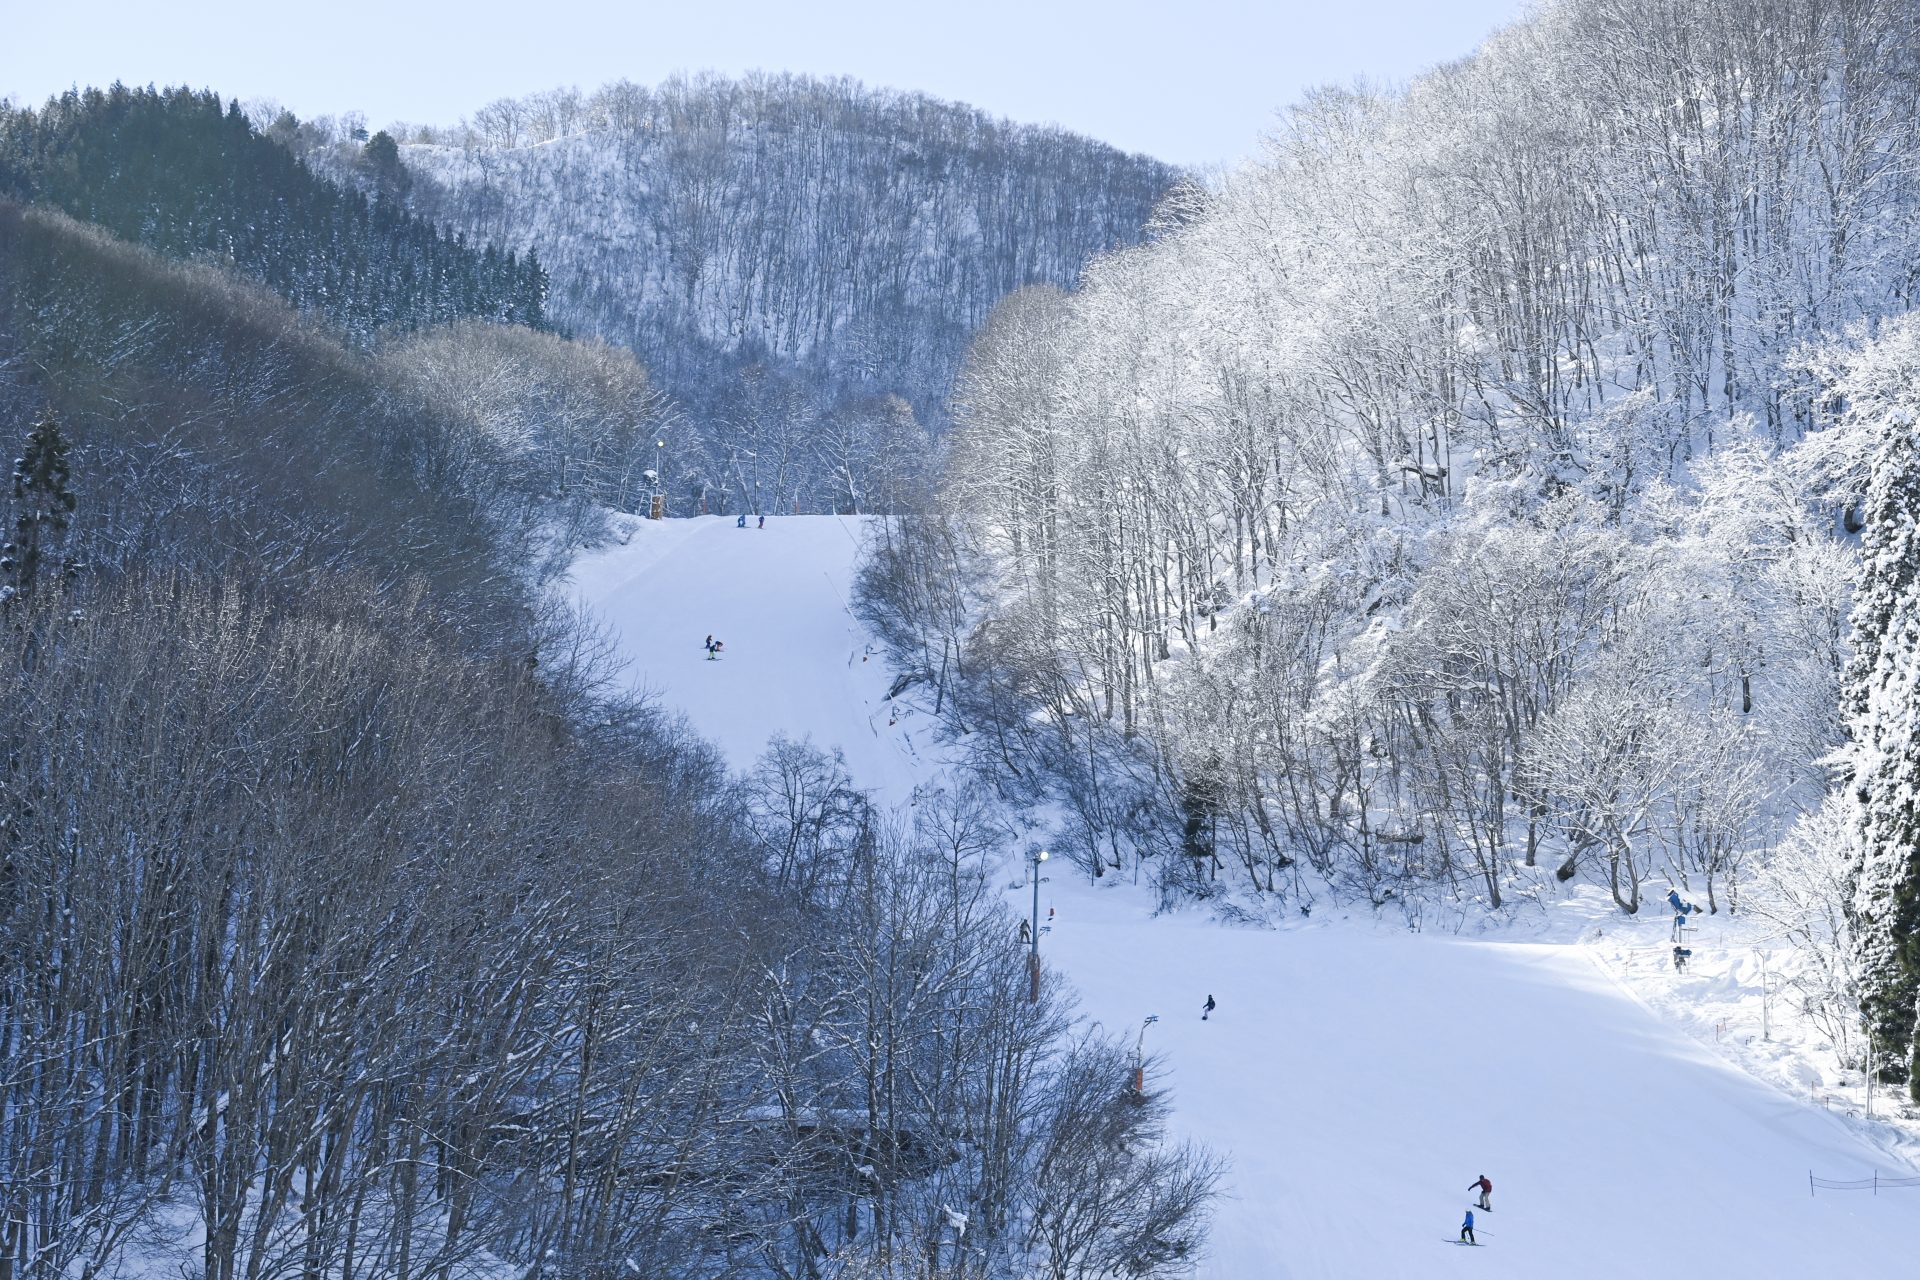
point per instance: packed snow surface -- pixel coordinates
(1361, 1080)
(1357, 1077)
(793, 659)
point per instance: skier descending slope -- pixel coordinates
(1466, 1229)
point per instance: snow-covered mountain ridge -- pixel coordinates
(847, 238)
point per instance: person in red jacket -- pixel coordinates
(1486, 1191)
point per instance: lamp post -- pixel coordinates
(1140, 1057)
(1766, 999)
(1033, 956)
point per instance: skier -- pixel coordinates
(1485, 1184)
(1466, 1229)
(741, 523)
(763, 522)
(1680, 957)
(713, 651)
(1206, 1008)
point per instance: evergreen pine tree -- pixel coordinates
(43, 504)
(381, 159)
(1202, 800)
(1883, 712)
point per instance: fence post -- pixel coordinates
(1809, 1184)
(1876, 1182)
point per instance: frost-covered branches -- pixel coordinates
(834, 242)
(1454, 489)
(575, 419)
(1882, 700)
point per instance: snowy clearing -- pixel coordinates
(1356, 1076)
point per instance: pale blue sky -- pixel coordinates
(1193, 83)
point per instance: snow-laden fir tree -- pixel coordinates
(1882, 699)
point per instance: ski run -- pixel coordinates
(1357, 1075)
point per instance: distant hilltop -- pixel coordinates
(843, 239)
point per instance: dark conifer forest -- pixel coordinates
(182, 174)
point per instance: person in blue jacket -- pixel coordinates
(741, 523)
(1466, 1229)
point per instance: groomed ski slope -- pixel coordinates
(794, 660)
(1356, 1077)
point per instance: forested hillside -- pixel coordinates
(348, 926)
(799, 261)
(1465, 491)
(177, 172)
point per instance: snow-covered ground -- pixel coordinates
(1357, 1076)
(794, 661)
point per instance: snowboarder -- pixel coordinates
(1680, 957)
(1026, 934)
(1485, 1184)
(763, 522)
(713, 651)
(1206, 1008)
(1466, 1229)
